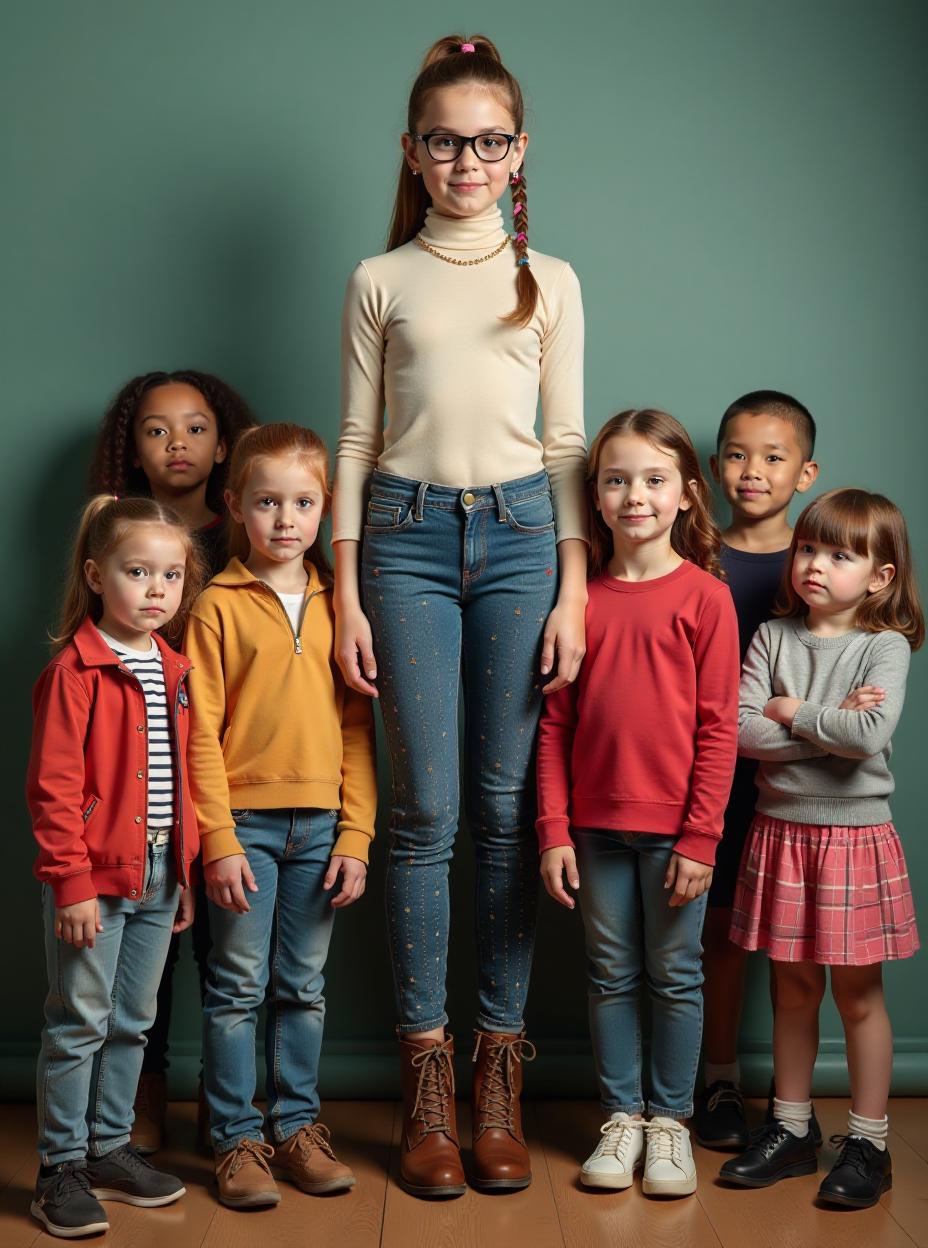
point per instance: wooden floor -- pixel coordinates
(554, 1212)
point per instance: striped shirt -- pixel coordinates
(147, 668)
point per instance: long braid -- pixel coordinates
(526, 286)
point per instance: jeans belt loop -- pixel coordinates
(420, 500)
(500, 502)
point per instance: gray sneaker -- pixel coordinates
(64, 1204)
(126, 1176)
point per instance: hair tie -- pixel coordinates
(468, 47)
(523, 260)
(516, 209)
(521, 237)
(516, 177)
(115, 498)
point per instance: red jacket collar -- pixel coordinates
(94, 652)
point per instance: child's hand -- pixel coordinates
(354, 875)
(186, 907)
(554, 863)
(78, 924)
(863, 699)
(687, 878)
(565, 635)
(225, 878)
(782, 710)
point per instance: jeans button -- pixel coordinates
(468, 499)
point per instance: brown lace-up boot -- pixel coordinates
(501, 1158)
(430, 1156)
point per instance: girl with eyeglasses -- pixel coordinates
(460, 540)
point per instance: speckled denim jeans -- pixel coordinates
(459, 583)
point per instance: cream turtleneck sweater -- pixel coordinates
(424, 340)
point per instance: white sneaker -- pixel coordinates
(669, 1169)
(617, 1155)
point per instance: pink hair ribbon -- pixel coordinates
(468, 47)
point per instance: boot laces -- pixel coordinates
(435, 1089)
(664, 1141)
(495, 1108)
(853, 1152)
(314, 1135)
(251, 1151)
(617, 1138)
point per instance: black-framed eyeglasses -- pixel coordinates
(444, 147)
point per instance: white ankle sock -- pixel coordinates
(873, 1129)
(794, 1115)
(730, 1072)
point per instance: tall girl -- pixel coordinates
(451, 525)
(169, 436)
(282, 769)
(111, 811)
(823, 879)
(634, 767)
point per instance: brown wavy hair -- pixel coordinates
(105, 523)
(280, 441)
(695, 535)
(870, 526)
(445, 65)
(112, 470)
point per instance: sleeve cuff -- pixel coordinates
(804, 722)
(73, 888)
(220, 843)
(353, 844)
(697, 846)
(553, 833)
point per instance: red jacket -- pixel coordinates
(87, 784)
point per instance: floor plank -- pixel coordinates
(908, 1117)
(17, 1140)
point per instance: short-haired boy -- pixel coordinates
(764, 451)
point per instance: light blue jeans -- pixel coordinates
(274, 954)
(100, 1003)
(460, 583)
(636, 941)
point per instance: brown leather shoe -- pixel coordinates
(307, 1160)
(501, 1158)
(430, 1156)
(151, 1100)
(244, 1176)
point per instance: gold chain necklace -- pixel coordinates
(463, 263)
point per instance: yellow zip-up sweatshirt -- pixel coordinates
(272, 723)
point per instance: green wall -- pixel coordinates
(740, 186)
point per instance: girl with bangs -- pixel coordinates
(635, 763)
(823, 881)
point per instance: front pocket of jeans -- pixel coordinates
(532, 515)
(384, 517)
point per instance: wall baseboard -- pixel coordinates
(562, 1069)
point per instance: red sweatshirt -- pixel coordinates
(645, 740)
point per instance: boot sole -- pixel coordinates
(66, 1232)
(414, 1189)
(791, 1172)
(501, 1185)
(257, 1200)
(317, 1189)
(143, 1202)
(857, 1202)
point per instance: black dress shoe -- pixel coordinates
(814, 1125)
(860, 1176)
(720, 1121)
(773, 1153)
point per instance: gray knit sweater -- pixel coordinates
(833, 766)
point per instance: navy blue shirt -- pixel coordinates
(754, 581)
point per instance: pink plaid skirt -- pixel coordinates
(835, 895)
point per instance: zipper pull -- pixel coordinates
(297, 645)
